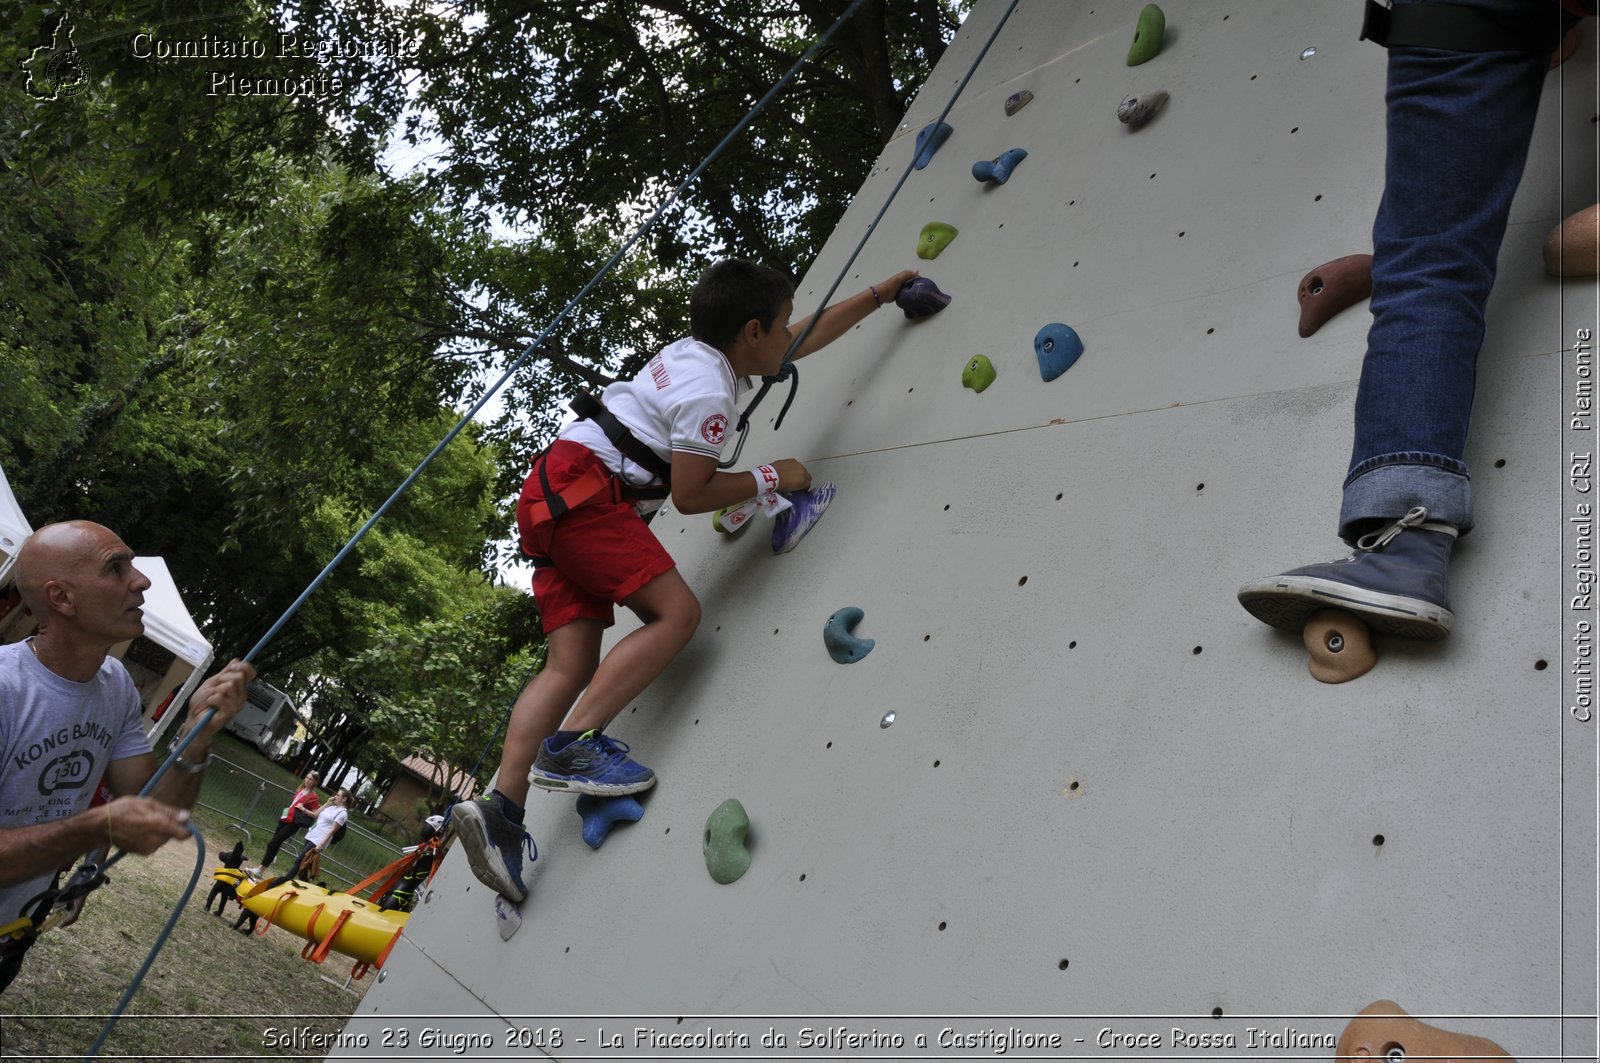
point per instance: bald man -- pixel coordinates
(70, 718)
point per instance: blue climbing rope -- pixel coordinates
(405, 485)
(787, 371)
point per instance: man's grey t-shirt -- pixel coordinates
(56, 739)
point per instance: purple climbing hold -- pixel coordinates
(919, 297)
(600, 814)
(998, 170)
(930, 139)
(1017, 101)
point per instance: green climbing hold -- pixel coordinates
(731, 520)
(1147, 36)
(978, 373)
(726, 831)
(936, 236)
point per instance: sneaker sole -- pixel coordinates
(482, 856)
(1286, 602)
(795, 540)
(577, 784)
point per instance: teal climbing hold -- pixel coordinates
(600, 814)
(978, 373)
(1058, 347)
(727, 831)
(936, 236)
(1017, 101)
(838, 634)
(998, 170)
(1147, 36)
(930, 139)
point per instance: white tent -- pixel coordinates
(167, 662)
(14, 528)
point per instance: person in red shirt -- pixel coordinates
(302, 812)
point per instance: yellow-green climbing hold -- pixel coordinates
(1147, 35)
(936, 236)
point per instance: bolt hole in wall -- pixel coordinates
(1199, 487)
(1022, 581)
(1377, 840)
(1540, 665)
(1500, 463)
(1196, 650)
(1072, 645)
(1058, 495)
(941, 926)
(1216, 1013)
(1062, 965)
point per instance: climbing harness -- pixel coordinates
(788, 370)
(1454, 28)
(91, 874)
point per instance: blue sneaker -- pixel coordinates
(806, 508)
(590, 764)
(494, 844)
(1395, 581)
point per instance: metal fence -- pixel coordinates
(245, 803)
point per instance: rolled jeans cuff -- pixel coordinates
(1384, 489)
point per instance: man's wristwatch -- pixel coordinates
(193, 769)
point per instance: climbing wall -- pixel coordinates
(1073, 778)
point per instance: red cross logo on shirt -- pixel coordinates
(714, 429)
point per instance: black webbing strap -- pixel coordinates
(787, 372)
(589, 408)
(1453, 28)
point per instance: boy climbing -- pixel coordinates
(581, 520)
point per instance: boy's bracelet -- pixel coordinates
(766, 478)
(876, 299)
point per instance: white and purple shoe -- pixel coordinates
(805, 509)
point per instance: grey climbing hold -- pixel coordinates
(1017, 101)
(887, 721)
(1058, 348)
(998, 170)
(1135, 112)
(930, 139)
(727, 830)
(838, 634)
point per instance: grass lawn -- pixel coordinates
(212, 994)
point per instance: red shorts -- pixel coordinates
(600, 554)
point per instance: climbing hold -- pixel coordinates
(1147, 35)
(930, 139)
(731, 520)
(600, 814)
(1340, 646)
(978, 373)
(1135, 112)
(1017, 101)
(919, 297)
(998, 170)
(1058, 347)
(1331, 287)
(1573, 248)
(936, 236)
(1569, 44)
(507, 916)
(1383, 1030)
(887, 721)
(726, 832)
(838, 634)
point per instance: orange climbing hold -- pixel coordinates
(1573, 248)
(1384, 1031)
(1332, 287)
(1340, 646)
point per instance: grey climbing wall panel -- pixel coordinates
(1107, 790)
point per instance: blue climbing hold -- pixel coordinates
(837, 635)
(600, 814)
(930, 139)
(998, 170)
(919, 297)
(1058, 347)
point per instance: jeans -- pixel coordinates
(1459, 125)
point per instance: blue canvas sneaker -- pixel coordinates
(806, 508)
(590, 764)
(1395, 581)
(494, 844)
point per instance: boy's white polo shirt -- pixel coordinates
(685, 398)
